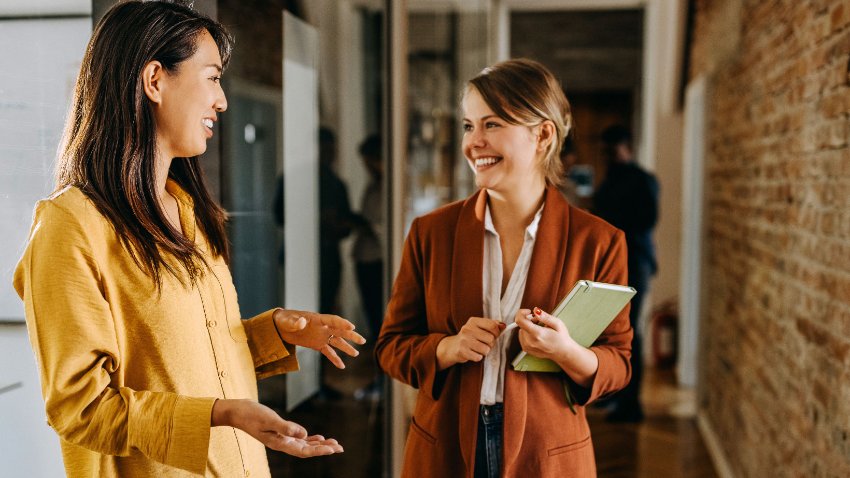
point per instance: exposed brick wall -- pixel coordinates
(775, 363)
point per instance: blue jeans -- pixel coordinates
(488, 448)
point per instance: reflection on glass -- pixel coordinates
(260, 177)
(446, 47)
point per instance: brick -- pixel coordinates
(833, 347)
(837, 134)
(839, 16)
(778, 234)
(834, 105)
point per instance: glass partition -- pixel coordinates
(434, 47)
(302, 179)
(447, 45)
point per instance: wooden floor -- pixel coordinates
(666, 444)
(357, 425)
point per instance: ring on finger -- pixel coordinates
(330, 337)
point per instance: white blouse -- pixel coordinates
(502, 308)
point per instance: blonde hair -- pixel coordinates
(524, 92)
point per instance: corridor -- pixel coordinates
(739, 108)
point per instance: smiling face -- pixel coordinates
(191, 97)
(505, 157)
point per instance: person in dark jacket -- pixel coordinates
(628, 199)
(336, 222)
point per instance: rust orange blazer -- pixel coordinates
(439, 286)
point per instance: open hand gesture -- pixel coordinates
(322, 332)
(262, 423)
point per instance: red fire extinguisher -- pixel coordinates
(665, 335)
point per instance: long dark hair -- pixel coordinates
(109, 144)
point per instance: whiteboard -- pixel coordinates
(301, 190)
(37, 78)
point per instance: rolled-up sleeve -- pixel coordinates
(271, 354)
(613, 347)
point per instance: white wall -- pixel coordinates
(28, 447)
(693, 231)
(36, 82)
(664, 43)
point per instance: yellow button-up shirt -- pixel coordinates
(129, 374)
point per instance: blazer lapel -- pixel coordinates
(467, 301)
(543, 287)
(468, 262)
(546, 273)
(545, 280)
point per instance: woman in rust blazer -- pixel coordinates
(471, 268)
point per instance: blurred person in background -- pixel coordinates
(368, 251)
(336, 221)
(628, 199)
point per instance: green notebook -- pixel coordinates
(586, 310)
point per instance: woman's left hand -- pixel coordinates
(547, 338)
(322, 332)
(552, 340)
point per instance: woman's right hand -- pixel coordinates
(322, 332)
(262, 423)
(472, 343)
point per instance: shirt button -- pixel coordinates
(247, 473)
(273, 356)
(222, 373)
(211, 324)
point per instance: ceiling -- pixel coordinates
(589, 50)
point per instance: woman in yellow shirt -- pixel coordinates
(147, 367)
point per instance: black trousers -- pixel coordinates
(370, 281)
(628, 399)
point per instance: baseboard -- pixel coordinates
(712, 443)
